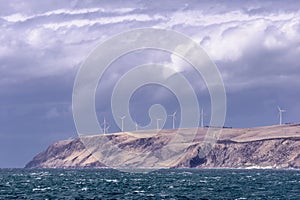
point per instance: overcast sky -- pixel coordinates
(256, 46)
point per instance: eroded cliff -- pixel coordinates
(270, 147)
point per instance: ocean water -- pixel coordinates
(162, 184)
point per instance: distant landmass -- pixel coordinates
(262, 147)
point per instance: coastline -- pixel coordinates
(275, 147)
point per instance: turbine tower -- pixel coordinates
(106, 131)
(122, 124)
(105, 127)
(280, 114)
(157, 123)
(202, 118)
(173, 119)
(136, 126)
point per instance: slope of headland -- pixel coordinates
(261, 147)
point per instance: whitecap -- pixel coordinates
(139, 191)
(112, 180)
(41, 189)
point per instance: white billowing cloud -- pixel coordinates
(282, 35)
(230, 41)
(103, 21)
(18, 17)
(35, 38)
(177, 64)
(198, 18)
(228, 36)
(88, 10)
(62, 42)
(273, 42)
(57, 112)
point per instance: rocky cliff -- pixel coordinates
(265, 147)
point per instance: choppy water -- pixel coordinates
(163, 184)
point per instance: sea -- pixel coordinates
(160, 184)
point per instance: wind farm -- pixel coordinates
(275, 146)
(173, 120)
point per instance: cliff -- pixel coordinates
(265, 147)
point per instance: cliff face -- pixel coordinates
(273, 153)
(64, 154)
(270, 147)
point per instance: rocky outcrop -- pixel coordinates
(263, 147)
(273, 153)
(65, 154)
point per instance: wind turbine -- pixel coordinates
(105, 128)
(280, 114)
(122, 126)
(173, 119)
(136, 126)
(202, 118)
(157, 123)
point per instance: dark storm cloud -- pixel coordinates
(255, 44)
(34, 112)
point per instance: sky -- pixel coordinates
(255, 45)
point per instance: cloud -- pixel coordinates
(103, 21)
(63, 12)
(256, 46)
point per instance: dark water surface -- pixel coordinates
(163, 184)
